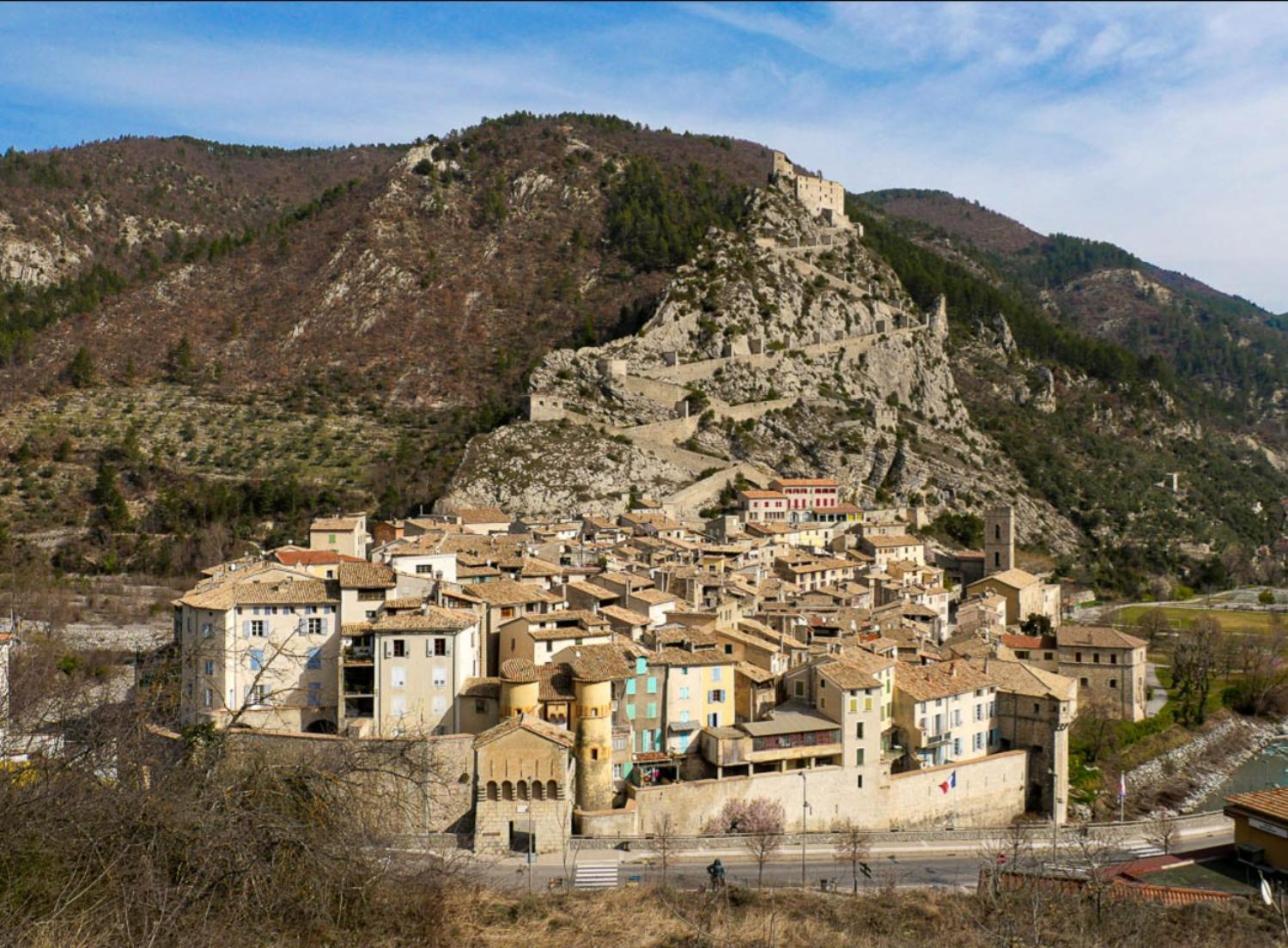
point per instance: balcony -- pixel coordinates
(358, 655)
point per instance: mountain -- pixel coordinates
(1233, 348)
(202, 343)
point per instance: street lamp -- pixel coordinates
(804, 809)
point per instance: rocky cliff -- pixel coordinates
(784, 347)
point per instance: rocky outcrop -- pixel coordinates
(788, 346)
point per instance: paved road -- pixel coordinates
(930, 864)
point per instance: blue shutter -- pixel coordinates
(315, 658)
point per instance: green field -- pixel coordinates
(1244, 621)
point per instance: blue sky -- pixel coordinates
(1161, 127)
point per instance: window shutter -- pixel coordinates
(389, 649)
(429, 648)
(246, 628)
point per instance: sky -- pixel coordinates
(1161, 127)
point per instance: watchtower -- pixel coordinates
(999, 540)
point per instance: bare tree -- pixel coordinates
(1153, 625)
(1163, 831)
(1200, 652)
(853, 846)
(663, 841)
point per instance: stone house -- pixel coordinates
(1109, 667)
(502, 601)
(259, 646)
(1035, 709)
(524, 774)
(944, 713)
(346, 534)
(422, 659)
(888, 548)
(1025, 595)
(538, 638)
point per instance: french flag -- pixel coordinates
(950, 783)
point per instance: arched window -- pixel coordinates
(552, 790)
(491, 789)
(507, 790)
(538, 790)
(523, 789)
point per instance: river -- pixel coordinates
(1266, 770)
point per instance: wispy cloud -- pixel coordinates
(1158, 126)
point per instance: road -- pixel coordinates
(929, 864)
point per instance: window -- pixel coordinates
(257, 628)
(858, 757)
(550, 646)
(867, 704)
(209, 697)
(371, 613)
(440, 704)
(800, 688)
(641, 665)
(400, 648)
(978, 741)
(315, 658)
(315, 626)
(423, 568)
(651, 685)
(480, 706)
(1022, 653)
(207, 630)
(1113, 682)
(1077, 656)
(258, 694)
(1047, 656)
(860, 781)
(858, 730)
(957, 746)
(630, 712)
(256, 659)
(398, 676)
(1113, 658)
(716, 672)
(854, 705)
(1082, 682)
(684, 693)
(399, 707)
(652, 711)
(594, 753)
(210, 666)
(716, 697)
(684, 715)
(631, 686)
(728, 649)
(957, 717)
(440, 646)
(330, 538)
(1095, 657)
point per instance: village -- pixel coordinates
(600, 675)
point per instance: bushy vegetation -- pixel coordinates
(971, 298)
(1061, 258)
(656, 218)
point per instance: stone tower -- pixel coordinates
(999, 540)
(594, 747)
(937, 322)
(520, 688)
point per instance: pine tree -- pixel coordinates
(80, 371)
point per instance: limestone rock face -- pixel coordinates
(786, 348)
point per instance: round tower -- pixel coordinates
(520, 690)
(594, 746)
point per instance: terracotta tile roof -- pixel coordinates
(926, 682)
(480, 515)
(624, 615)
(407, 602)
(1269, 803)
(226, 594)
(1094, 636)
(754, 673)
(555, 683)
(507, 592)
(1025, 641)
(595, 662)
(762, 494)
(805, 482)
(653, 597)
(474, 572)
(429, 619)
(590, 589)
(894, 540)
(1022, 679)
(298, 557)
(527, 722)
(680, 657)
(366, 576)
(518, 670)
(1015, 578)
(335, 523)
